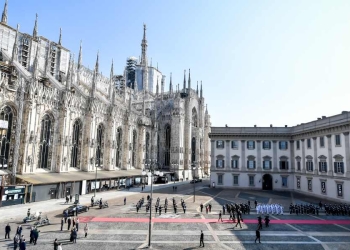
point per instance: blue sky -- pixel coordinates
(261, 62)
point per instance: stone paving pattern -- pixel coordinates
(134, 234)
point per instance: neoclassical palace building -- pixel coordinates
(311, 158)
(60, 121)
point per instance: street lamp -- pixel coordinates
(151, 165)
(194, 181)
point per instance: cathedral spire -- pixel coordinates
(80, 57)
(189, 81)
(206, 109)
(4, 14)
(197, 88)
(201, 94)
(144, 47)
(69, 73)
(60, 37)
(162, 86)
(36, 63)
(35, 30)
(143, 103)
(157, 87)
(110, 89)
(171, 84)
(15, 46)
(97, 64)
(184, 81)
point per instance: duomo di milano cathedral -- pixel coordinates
(58, 116)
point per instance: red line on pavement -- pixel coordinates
(184, 220)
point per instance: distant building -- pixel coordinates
(60, 120)
(311, 158)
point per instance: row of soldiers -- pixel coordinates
(243, 208)
(337, 209)
(139, 204)
(303, 209)
(183, 204)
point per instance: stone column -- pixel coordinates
(243, 159)
(258, 144)
(212, 155)
(141, 147)
(292, 156)
(303, 170)
(330, 155)
(125, 145)
(227, 158)
(347, 155)
(315, 156)
(274, 156)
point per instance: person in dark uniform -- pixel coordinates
(257, 233)
(201, 241)
(220, 216)
(16, 242)
(69, 223)
(201, 207)
(23, 245)
(238, 221)
(92, 201)
(55, 244)
(70, 198)
(62, 222)
(267, 221)
(255, 203)
(7, 231)
(259, 223)
(125, 200)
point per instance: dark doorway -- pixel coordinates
(52, 194)
(267, 182)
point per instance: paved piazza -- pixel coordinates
(121, 227)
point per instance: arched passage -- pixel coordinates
(267, 182)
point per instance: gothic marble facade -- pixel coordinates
(65, 117)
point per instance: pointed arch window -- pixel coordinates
(99, 145)
(194, 118)
(45, 146)
(167, 145)
(6, 114)
(193, 147)
(119, 147)
(76, 144)
(134, 141)
(147, 145)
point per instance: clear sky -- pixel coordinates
(261, 62)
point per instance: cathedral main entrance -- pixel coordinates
(267, 182)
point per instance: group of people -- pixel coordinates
(269, 209)
(19, 240)
(337, 209)
(303, 209)
(139, 204)
(207, 208)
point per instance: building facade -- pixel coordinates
(57, 116)
(311, 158)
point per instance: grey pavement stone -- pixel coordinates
(338, 246)
(266, 246)
(118, 225)
(319, 228)
(180, 226)
(333, 238)
(235, 237)
(186, 246)
(181, 237)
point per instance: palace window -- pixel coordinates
(250, 144)
(309, 164)
(267, 164)
(337, 140)
(340, 189)
(298, 144)
(283, 163)
(283, 145)
(235, 180)
(251, 180)
(323, 187)
(220, 162)
(322, 165)
(322, 141)
(338, 164)
(220, 144)
(266, 144)
(220, 179)
(308, 143)
(234, 144)
(251, 162)
(309, 184)
(298, 182)
(234, 161)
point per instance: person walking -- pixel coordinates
(67, 200)
(92, 201)
(238, 221)
(7, 231)
(74, 236)
(255, 203)
(55, 245)
(257, 234)
(259, 223)
(36, 235)
(267, 221)
(23, 245)
(86, 229)
(19, 230)
(201, 207)
(124, 201)
(201, 241)
(73, 222)
(31, 235)
(62, 222)
(220, 216)
(206, 209)
(16, 242)
(70, 198)
(69, 222)
(65, 214)
(77, 224)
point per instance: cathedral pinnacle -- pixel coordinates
(184, 81)
(60, 38)
(157, 87)
(80, 57)
(112, 72)
(171, 84)
(201, 94)
(15, 46)
(35, 30)
(36, 63)
(197, 88)
(97, 64)
(189, 80)
(4, 14)
(110, 89)
(144, 47)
